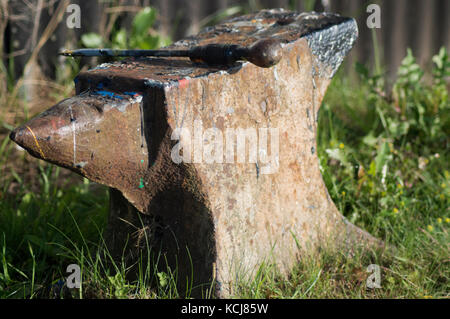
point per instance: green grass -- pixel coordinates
(383, 156)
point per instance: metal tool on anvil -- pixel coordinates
(263, 53)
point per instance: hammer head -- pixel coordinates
(265, 53)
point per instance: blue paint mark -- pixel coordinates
(108, 94)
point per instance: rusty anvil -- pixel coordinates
(217, 219)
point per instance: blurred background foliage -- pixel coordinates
(141, 36)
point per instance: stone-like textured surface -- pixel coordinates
(231, 214)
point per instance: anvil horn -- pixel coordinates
(92, 135)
